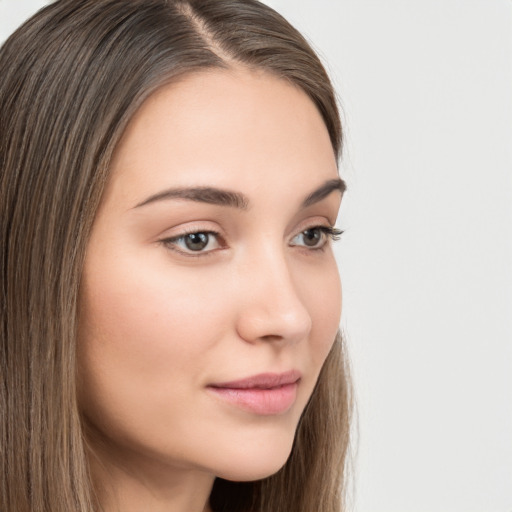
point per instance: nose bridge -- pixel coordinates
(272, 308)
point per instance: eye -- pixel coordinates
(196, 242)
(316, 237)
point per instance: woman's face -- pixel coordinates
(210, 294)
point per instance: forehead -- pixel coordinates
(228, 128)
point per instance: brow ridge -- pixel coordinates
(323, 191)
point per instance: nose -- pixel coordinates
(271, 308)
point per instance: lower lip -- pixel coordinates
(260, 401)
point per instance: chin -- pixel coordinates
(256, 462)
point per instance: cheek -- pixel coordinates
(322, 297)
(140, 339)
(139, 303)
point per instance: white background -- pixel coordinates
(426, 89)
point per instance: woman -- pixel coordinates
(170, 300)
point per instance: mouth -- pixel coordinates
(263, 394)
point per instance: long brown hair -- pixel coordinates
(71, 79)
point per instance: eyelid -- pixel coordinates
(318, 221)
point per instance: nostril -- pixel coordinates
(272, 337)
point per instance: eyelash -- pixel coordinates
(171, 243)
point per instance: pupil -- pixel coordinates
(312, 237)
(196, 241)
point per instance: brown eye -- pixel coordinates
(196, 241)
(199, 242)
(312, 237)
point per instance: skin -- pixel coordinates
(160, 322)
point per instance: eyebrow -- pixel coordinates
(208, 195)
(323, 191)
(221, 197)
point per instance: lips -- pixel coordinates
(263, 394)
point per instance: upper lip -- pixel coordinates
(262, 381)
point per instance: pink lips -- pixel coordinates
(265, 394)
